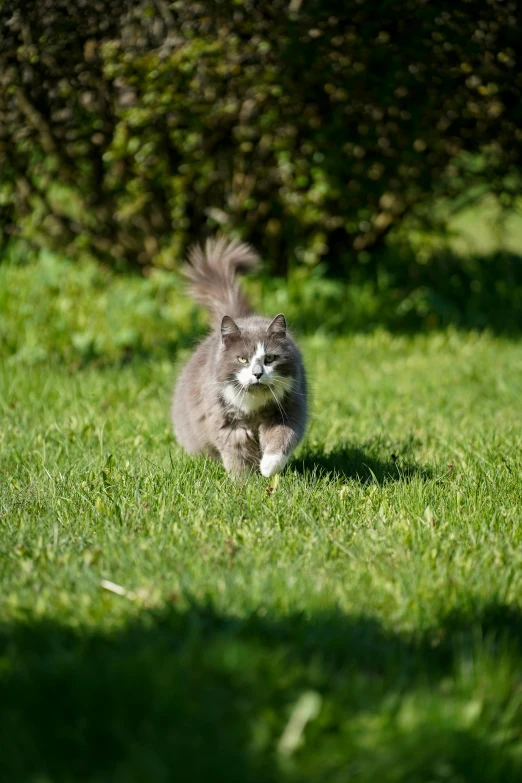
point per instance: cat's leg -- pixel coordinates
(277, 441)
(239, 450)
(234, 461)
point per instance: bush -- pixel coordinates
(311, 128)
(56, 311)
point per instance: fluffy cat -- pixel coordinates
(241, 397)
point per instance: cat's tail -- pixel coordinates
(212, 272)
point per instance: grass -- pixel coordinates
(360, 618)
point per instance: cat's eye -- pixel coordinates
(269, 358)
(242, 359)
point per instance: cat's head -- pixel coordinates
(257, 356)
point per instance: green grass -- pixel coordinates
(374, 589)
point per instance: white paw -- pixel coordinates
(272, 463)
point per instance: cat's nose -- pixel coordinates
(257, 372)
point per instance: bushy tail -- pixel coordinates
(213, 270)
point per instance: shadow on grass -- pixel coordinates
(359, 464)
(199, 696)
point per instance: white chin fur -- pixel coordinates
(246, 402)
(257, 396)
(272, 463)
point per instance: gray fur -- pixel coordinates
(213, 271)
(254, 421)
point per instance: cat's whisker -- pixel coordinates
(233, 404)
(279, 384)
(283, 390)
(281, 409)
(236, 404)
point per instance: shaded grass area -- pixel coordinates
(197, 694)
(378, 579)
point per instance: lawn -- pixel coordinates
(360, 618)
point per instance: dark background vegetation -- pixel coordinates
(313, 129)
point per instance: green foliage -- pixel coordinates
(55, 311)
(378, 581)
(128, 129)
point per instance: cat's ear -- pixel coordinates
(229, 328)
(278, 326)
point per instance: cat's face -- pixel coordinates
(257, 361)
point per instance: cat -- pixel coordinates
(242, 396)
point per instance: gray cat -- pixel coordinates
(241, 397)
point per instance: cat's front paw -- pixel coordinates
(272, 463)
